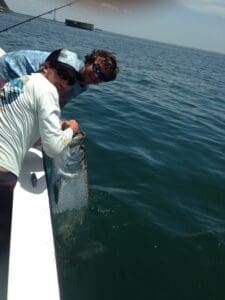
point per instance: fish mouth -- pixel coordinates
(77, 140)
(80, 136)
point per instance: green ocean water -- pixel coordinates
(154, 227)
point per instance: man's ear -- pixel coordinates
(44, 67)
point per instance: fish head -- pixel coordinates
(71, 159)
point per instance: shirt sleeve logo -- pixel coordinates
(10, 92)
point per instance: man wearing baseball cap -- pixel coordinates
(29, 109)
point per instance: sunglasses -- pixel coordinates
(65, 74)
(98, 72)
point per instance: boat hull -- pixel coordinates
(32, 263)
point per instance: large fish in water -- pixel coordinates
(68, 192)
(68, 188)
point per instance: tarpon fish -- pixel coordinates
(69, 187)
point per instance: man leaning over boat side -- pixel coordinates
(98, 66)
(29, 109)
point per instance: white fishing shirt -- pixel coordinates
(29, 109)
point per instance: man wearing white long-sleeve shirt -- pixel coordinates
(29, 109)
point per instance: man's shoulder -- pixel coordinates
(27, 53)
(17, 63)
(38, 77)
(42, 85)
(29, 59)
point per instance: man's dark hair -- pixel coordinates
(90, 59)
(51, 59)
(53, 56)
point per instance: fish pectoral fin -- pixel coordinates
(57, 186)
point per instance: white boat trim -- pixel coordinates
(32, 263)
